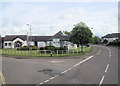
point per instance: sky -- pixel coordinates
(47, 18)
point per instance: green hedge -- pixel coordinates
(115, 43)
(50, 48)
(27, 48)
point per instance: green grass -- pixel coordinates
(37, 53)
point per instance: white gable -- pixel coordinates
(18, 39)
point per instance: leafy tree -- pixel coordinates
(80, 34)
(96, 40)
(67, 33)
(105, 41)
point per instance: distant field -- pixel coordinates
(46, 53)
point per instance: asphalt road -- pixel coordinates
(100, 68)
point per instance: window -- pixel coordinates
(9, 44)
(5, 44)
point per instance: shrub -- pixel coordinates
(35, 48)
(42, 48)
(27, 48)
(50, 48)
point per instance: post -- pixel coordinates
(45, 52)
(51, 53)
(40, 52)
(77, 51)
(68, 52)
(57, 52)
(29, 38)
(62, 52)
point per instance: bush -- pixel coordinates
(42, 48)
(35, 48)
(60, 48)
(50, 48)
(115, 43)
(27, 48)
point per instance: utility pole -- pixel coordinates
(29, 38)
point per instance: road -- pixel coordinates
(98, 68)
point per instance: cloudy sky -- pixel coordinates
(47, 18)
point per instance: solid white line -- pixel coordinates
(101, 80)
(106, 68)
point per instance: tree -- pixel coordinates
(67, 33)
(80, 34)
(96, 40)
(105, 41)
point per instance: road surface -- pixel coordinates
(98, 68)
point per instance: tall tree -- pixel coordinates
(80, 34)
(67, 33)
(96, 40)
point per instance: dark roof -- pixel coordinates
(12, 37)
(41, 38)
(50, 38)
(61, 36)
(37, 38)
(0, 39)
(113, 35)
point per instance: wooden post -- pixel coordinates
(57, 52)
(62, 52)
(68, 52)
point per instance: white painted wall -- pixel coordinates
(7, 44)
(74, 46)
(109, 39)
(41, 44)
(18, 39)
(32, 43)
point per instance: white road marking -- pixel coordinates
(52, 78)
(40, 83)
(69, 69)
(46, 81)
(110, 56)
(56, 61)
(101, 80)
(66, 70)
(106, 68)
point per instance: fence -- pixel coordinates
(43, 52)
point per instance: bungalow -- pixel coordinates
(111, 37)
(14, 41)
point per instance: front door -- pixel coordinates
(17, 44)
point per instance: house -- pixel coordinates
(14, 41)
(0, 42)
(111, 37)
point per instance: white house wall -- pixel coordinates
(110, 39)
(41, 44)
(7, 44)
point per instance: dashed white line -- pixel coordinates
(68, 69)
(101, 80)
(110, 56)
(64, 71)
(106, 68)
(46, 81)
(52, 78)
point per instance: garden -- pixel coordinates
(45, 52)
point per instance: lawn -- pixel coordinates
(46, 53)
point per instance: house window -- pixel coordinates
(5, 44)
(9, 44)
